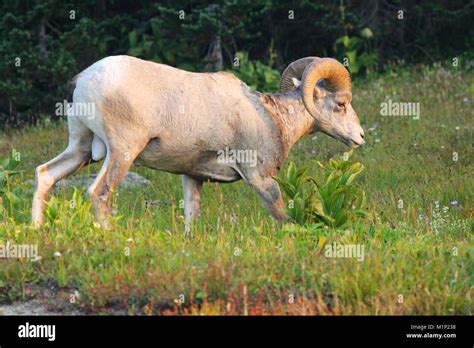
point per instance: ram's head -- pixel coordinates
(325, 87)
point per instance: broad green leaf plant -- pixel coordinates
(334, 202)
(8, 169)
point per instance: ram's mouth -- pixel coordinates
(353, 144)
(347, 141)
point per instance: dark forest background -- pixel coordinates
(45, 43)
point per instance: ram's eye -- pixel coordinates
(341, 107)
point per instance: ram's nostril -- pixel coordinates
(362, 135)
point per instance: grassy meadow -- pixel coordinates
(418, 242)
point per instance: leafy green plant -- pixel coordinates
(73, 213)
(358, 52)
(149, 42)
(294, 185)
(257, 75)
(7, 170)
(77, 210)
(334, 202)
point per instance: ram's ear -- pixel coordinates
(319, 93)
(296, 82)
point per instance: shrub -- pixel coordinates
(8, 198)
(334, 202)
(257, 75)
(357, 51)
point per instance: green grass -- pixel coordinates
(419, 259)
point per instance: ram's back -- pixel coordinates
(185, 115)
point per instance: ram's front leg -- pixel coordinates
(192, 199)
(269, 192)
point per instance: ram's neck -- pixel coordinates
(290, 116)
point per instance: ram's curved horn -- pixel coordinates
(294, 70)
(334, 73)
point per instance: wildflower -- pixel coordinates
(377, 140)
(454, 203)
(57, 254)
(466, 101)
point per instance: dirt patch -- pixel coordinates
(50, 299)
(43, 299)
(33, 307)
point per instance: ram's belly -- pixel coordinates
(199, 165)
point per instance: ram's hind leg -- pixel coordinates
(116, 165)
(76, 155)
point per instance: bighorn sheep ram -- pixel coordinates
(180, 122)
